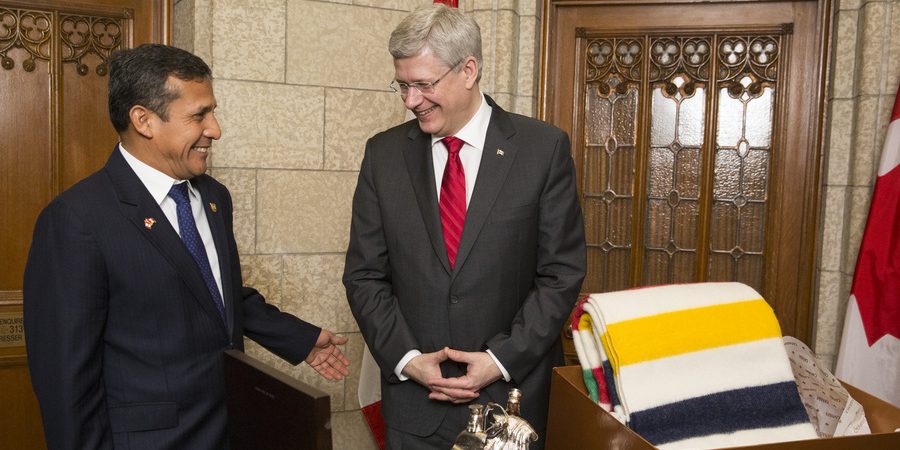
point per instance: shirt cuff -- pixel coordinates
(404, 361)
(506, 376)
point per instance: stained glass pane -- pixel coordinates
(692, 119)
(759, 119)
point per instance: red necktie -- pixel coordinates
(453, 197)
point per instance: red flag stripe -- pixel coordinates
(876, 280)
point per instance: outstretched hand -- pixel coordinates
(480, 372)
(326, 358)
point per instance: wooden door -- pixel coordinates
(54, 131)
(697, 131)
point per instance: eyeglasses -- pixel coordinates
(421, 86)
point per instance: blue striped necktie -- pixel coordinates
(191, 238)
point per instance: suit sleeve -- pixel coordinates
(284, 334)
(367, 278)
(65, 308)
(560, 269)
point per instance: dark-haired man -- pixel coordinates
(133, 285)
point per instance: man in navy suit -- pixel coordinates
(466, 255)
(133, 286)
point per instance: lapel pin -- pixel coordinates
(149, 222)
(500, 152)
(213, 207)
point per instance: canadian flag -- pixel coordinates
(370, 396)
(869, 357)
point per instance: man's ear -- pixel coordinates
(140, 118)
(470, 68)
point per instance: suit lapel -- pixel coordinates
(420, 166)
(491, 177)
(138, 206)
(220, 238)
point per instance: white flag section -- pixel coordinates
(370, 396)
(869, 357)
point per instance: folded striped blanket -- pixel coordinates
(697, 365)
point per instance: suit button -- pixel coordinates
(454, 299)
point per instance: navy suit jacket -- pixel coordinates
(125, 345)
(519, 267)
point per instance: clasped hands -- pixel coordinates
(480, 371)
(326, 358)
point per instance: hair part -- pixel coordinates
(449, 34)
(138, 76)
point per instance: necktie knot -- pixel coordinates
(453, 144)
(179, 193)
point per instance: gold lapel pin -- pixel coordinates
(500, 152)
(149, 222)
(213, 207)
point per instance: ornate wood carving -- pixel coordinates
(77, 35)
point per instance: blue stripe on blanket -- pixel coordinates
(757, 407)
(610, 383)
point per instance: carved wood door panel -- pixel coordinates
(696, 130)
(54, 131)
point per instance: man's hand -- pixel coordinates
(480, 372)
(326, 358)
(425, 367)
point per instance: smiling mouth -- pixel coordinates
(203, 150)
(424, 112)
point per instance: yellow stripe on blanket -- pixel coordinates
(689, 330)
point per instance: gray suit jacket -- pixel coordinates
(518, 271)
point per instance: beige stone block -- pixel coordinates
(319, 52)
(525, 106)
(485, 20)
(529, 7)
(828, 322)
(833, 230)
(302, 372)
(893, 74)
(885, 109)
(350, 431)
(248, 39)
(864, 142)
(528, 62)
(313, 290)
(826, 361)
(203, 32)
(858, 206)
(505, 51)
(241, 183)
(304, 212)
(269, 125)
(505, 101)
(263, 273)
(400, 5)
(183, 25)
(490, 5)
(875, 37)
(839, 142)
(351, 118)
(849, 4)
(354, 352)
(845, 54)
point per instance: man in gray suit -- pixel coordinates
(466, 254)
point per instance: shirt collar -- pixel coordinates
(475, 131)
(155, 181)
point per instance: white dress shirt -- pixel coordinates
(159, 185)
(473, 134)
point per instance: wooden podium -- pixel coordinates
(268, 410)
